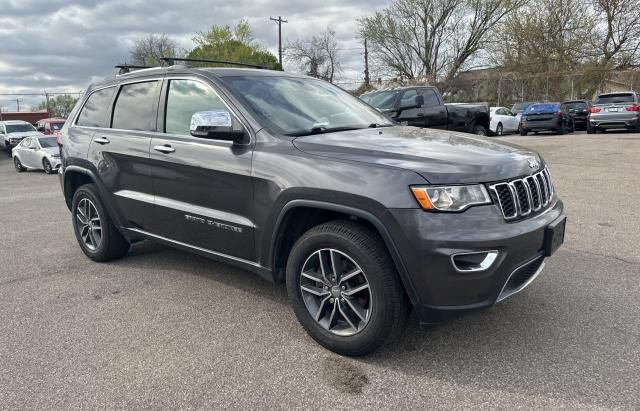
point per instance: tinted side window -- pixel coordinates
(186, 97)
(430, 98)
(135, 107)
(94, 112)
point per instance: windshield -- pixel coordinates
(615, 98)
(384, 100)
(48, 142)
(294, 106)
(19, 128)
(57, 126)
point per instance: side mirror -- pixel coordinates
(216, 125)
(419, 101)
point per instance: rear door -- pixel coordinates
(120, 153)
(203, 187)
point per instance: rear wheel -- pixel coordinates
(524, 132)
(46, 165)
(18, 165)
(499, 129)
(344, 288)
(591, 129)
(97, 236)
(479, 130)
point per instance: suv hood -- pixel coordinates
(441, 157)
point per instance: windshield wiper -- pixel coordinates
(377, 125)
(321, 130)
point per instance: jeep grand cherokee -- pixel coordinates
(296, 180)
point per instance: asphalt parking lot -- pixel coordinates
(165, 329)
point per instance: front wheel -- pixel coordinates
(523, 132)
(344, 288)
(18, 165)
(97, 236)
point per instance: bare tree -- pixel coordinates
(317, 55)
(151, 49)
(618, 29)
(432, 38)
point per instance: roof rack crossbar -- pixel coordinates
(171, 61)
(126, 68)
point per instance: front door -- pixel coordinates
(203, 188)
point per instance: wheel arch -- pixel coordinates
(318, 212)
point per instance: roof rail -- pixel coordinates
(171, 61)
(127, 68)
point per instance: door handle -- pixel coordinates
(101, 140)
(164, 149)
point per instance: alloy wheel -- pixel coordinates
(47, 166)
(89, 224)
(336, 292)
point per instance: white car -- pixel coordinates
(38, 153)
(503, 121)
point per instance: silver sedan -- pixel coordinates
(40, 153)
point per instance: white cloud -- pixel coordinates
(56, 45)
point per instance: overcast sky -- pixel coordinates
(63, 45)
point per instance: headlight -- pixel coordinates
(450, 198)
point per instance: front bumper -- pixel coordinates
(427, 241)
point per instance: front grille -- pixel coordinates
(521, 197)
(520, 277)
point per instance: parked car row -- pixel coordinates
(423, 106)
(31, 147)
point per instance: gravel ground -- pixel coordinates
(165, 329)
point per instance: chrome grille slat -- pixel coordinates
(523, 196)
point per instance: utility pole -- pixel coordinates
(366, 64)
(46, 97)
(18, 103)
(279, 20)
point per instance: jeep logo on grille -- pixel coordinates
(533, 163)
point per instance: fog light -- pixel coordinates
(474, 262)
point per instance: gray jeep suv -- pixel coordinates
(298, 181)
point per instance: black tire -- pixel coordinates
(112, 244)
(46, 165)
(524, 132)
(591, 130)
(561, 129)
(499, 129)
(390, 305)
(18, 165)
(479, 130)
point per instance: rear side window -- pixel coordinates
(135, 107)
(615, 98)
(184, 98)
(94, 112)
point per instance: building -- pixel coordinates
(28, 116)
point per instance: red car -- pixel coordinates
(51, 126)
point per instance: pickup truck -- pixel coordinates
(423, 106)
